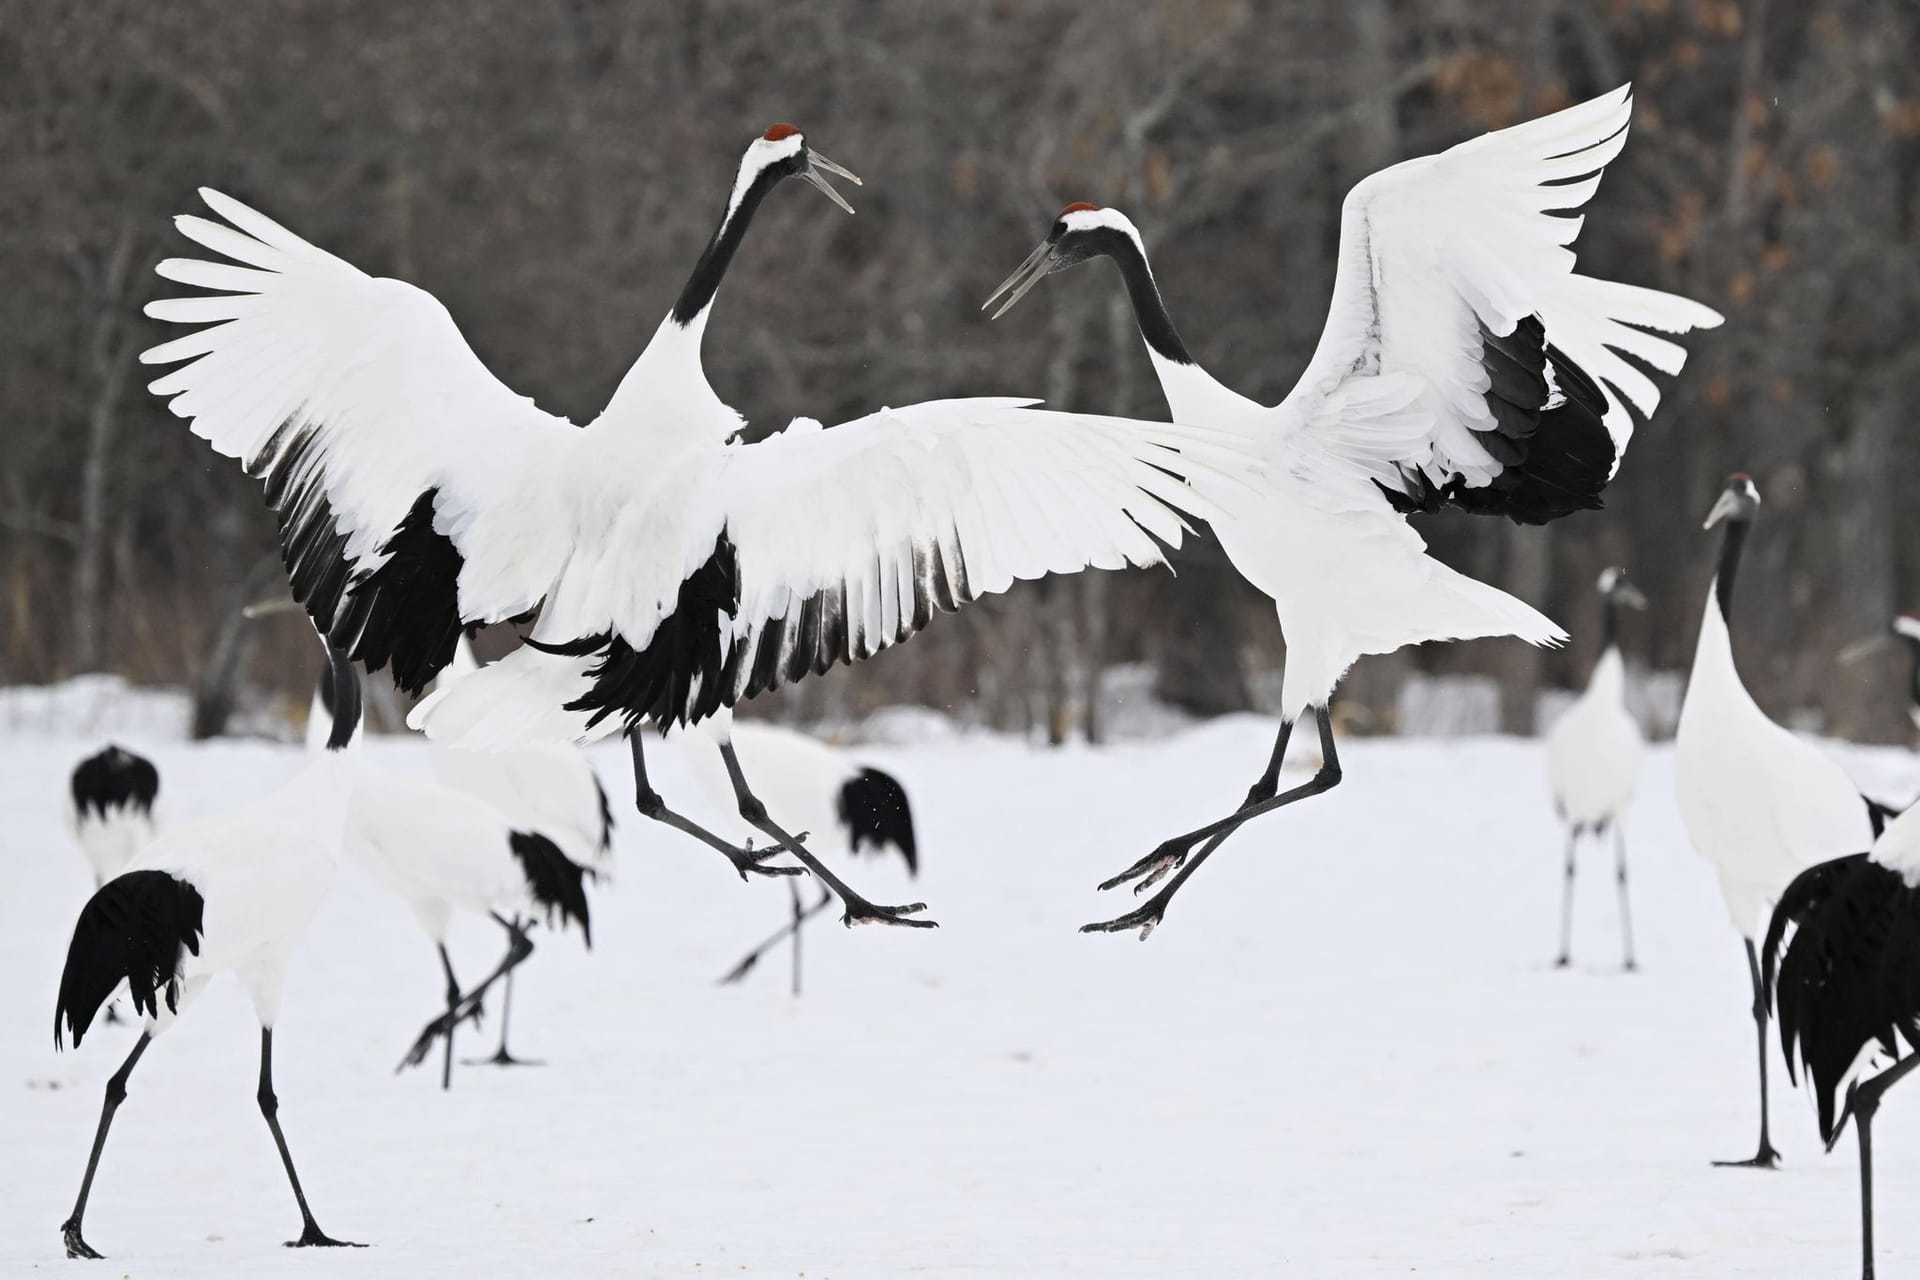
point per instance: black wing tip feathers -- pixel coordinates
(874, 806)
(555, 881)
(1549, 437)
(132, 930)
(114, 778)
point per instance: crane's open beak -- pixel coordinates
(1038, 266)
(267, 608)
(1631, 596)
(817, 167)
(1728, 504)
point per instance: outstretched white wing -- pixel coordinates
(404, 475)
(835, 543)
(850, 539)
(1463, 363)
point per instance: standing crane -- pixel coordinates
(1593, 761)
(1463, 365)
(1759, 803)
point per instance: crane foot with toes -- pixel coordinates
(748, 862)
(76, 1247)
(860, 911)
(1169, 857)
(312, 1237)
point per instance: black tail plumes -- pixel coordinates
(874, 807)
(1850, 975)
(556, 881)
(1549, 436)
(115, 778)
(606, 815)
(132, 930)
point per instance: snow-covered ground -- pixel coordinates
(1344, 1054)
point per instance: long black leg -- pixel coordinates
(116, 1094)
(753, 957)
(310, 1232)
(651, 805)
(502, 1058)
(519, 947)
(793, 892)
(1174, 852)
(1626, 907)
(1766, 1157)
(1566, 902)
(1866, 1101)
(858, 909)
(453, 1002)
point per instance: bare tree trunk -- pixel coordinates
(109, 358)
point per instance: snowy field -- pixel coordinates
(1345, 1053)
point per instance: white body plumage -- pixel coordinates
(1594, 750)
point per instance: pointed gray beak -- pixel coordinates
(1726, 506)
(1028, 274)
(267, 608)
(1631, 596)
(818, 166)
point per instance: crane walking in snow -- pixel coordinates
(1847, 987)
(444, 852)
(1593, 762)
(671, 570)
(1463, 365)
(1759, 803)
(547, 788)
(231, 893)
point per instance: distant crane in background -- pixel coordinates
(810, 787)
(113, 792)
(671, 570)
(1463, 365)
(230, 893)
(1759, 803)
(547, 788)
(1847, 986)
(443, 852)
(1593, 761)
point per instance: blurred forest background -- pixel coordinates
(551, 170)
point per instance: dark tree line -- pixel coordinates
(551, 170)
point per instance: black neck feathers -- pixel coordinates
(1730, 548)
(1149, 309)
(1609, 623)
(697, 296)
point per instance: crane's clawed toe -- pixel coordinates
(1145, 918)
(440, 1026)
(314, 1238)
(860, 911)
(76, 1247)
(751, 862)
(1765, 1158)
(1150, 870)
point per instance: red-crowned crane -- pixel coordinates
(673, 568)
(1759, 803)
(548, 788)
(1847, 987)
(1463, 365)
(445, 852)
(1593, 761)
(230, 893)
